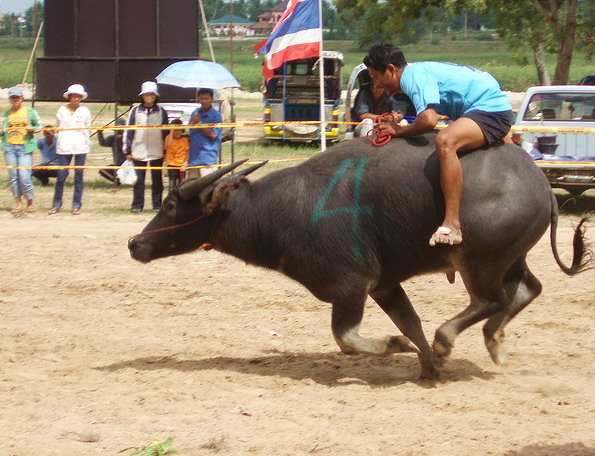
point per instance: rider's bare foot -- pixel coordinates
(446, 235)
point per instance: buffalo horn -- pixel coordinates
(193, 187)
(245, 172)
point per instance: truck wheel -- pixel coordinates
(575, 191)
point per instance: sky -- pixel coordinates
(15, 6)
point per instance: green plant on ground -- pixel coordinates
(156, 449)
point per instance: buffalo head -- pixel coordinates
(188, 216)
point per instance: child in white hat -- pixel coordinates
(72, 144)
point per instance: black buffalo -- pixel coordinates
(355, 221)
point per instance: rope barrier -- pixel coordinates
(379, 139)
(535, 129)
(54, 167)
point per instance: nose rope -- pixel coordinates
(382, 137)
(205, 246)
(167, 228)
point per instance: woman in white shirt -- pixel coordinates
(72, 143)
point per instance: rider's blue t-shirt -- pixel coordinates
(452, 89)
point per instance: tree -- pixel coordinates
(9, 26)
(552, 26)
(386, 20)
(545, 26)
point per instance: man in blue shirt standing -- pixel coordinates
(472, 98)
(205, 143)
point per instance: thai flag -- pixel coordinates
(297, 35)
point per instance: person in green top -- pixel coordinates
(18, 144)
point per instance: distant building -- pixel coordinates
(223, 25)
(266, 21)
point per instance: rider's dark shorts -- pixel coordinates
(494, 125)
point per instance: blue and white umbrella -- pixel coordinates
(197, 74)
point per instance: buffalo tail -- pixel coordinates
(582, 256)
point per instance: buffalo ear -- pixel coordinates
(212, 201)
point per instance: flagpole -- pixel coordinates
(321, 79)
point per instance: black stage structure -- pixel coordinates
(113, 46)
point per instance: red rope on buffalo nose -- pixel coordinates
(381, 137)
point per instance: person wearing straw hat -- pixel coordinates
(72, 143)
(145, 146)
(18, 144)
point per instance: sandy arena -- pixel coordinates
(101, 355)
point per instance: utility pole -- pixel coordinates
(34, 25)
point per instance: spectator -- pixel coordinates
(371, 102)
(71, 144)
(176, 154)
(205, 143)
(18, 144)
(145, 147)
(116, 143)
(47, 147)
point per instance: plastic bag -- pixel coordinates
(126, 173)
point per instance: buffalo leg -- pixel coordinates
(398, 307)
(522, 287)
(488, 297)
(347, 314)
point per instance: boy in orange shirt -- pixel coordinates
(176, 154)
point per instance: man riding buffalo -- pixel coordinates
(472, 98)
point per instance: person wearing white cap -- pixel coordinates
(71, 144)
(18, 144)
(145, 146)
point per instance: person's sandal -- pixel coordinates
(53, 210)
(76, 212)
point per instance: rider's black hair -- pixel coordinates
(381, 55)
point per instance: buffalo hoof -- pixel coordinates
(496, 348)
(441, 349)
(400, 344)
(428, 376)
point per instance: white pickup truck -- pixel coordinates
(556, 125)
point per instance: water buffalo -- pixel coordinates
(355, 221)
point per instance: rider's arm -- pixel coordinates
(424, 122)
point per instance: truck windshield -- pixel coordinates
(561, 106)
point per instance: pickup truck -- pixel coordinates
(556, 126)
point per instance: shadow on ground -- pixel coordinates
(330, 369)
(568, 449)
(579, 206)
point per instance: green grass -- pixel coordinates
(492, 56)
(14, 55)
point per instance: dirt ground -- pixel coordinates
(100, 355)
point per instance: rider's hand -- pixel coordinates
(389, 127)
